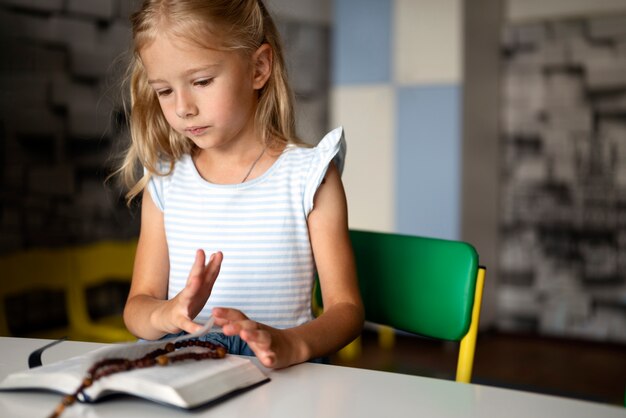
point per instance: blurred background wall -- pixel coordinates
(562, 224)
(464, 120)
(61, 121)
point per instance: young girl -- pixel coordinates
(212, 125)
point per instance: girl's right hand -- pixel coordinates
(179, 312)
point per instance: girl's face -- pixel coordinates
(205, 94)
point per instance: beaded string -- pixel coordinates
(160, 356)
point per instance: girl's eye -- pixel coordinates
(204, 82)
(164, 92)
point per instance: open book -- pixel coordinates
(186, 384)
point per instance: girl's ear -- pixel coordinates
(262, 62)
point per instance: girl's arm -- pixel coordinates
(148, 314)
(343, 315)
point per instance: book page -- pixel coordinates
(139, 349)
(204, 380)
(185, 384)
(186, 373)
(65, 375)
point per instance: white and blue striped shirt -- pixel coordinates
(260, 226)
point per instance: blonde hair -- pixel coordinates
(238, 25)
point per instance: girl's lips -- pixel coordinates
(197, 130)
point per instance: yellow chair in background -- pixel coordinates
(24, 273)
(64, 277)
(93, 265)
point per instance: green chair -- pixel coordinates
(426, 286)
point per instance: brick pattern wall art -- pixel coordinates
(563, 217)
(61, 122)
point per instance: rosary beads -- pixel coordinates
(160, 356)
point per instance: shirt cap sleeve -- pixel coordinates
(331, 148)
(157, 186)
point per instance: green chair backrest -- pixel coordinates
(420, 285)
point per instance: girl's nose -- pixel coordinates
(185, 107)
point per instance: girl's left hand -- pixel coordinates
(271, 346)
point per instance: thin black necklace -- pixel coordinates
(253, 164)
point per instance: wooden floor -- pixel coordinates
(569, 368)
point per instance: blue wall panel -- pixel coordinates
(428, 156)
(362, 42)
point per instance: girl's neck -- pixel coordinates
(236, 164)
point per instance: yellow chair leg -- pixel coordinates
(351, 351)
(386, 337)
(468, 343)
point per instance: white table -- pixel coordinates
(306, 391)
